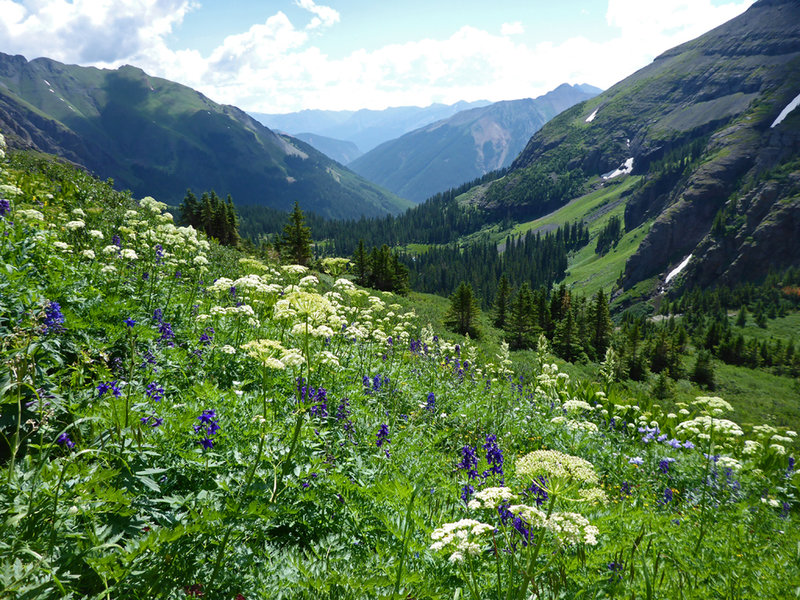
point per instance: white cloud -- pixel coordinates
(275, 66)
(324, 16)
(514, 28)
(87, 31)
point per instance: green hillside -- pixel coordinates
(153, 136)
(467, 145)
(180, 419)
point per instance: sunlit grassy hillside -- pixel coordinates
(182, 420)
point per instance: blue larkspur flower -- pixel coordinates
(382, 437)
(5, 207)
(130, 322)
(208, 427)
(63, 440)
(494, 456)
(108, 386)
(154, 391)
(431, 403)
(53, 318)
(469, 460)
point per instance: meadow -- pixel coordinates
(180, 419)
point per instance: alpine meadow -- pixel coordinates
(234, 368)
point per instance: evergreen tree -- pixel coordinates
(703, 371)
(741, 318)
(462, 316)
(501, 303)
(296, 242)
(522, 323)
(566, 340)
(361, 264)
(601, 324)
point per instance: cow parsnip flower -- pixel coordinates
(552, 463)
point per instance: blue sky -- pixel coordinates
(287, 55)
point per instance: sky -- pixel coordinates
(277, 56)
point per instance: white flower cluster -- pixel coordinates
(462, 538)
(491, 498)
(552, 463)
(713, 405)
(702, 426)
(567, 528)
(272, 354)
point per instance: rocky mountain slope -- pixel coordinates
(465, 146)
(156, 137)
(701, 125)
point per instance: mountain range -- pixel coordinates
(156, 137)
(708, 133)
(365, 128)
(463, 147)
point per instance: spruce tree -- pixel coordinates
(501, 303)
(522, 322)
(361, 264)
(296, 242)
(703, 372)
(601, 324)
(462, 316)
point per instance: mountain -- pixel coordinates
(341, 151)
(708, 132)
(463, 147)
(159, 138)
(365, 128)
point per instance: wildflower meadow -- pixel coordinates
(181, 419)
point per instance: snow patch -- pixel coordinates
(591, 117)
(51, 91)
(624, 169)
(785, 112)
(47, 83)
(678, 269)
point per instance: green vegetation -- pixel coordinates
(155, 137)
(182, 419)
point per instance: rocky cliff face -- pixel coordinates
(698, 126)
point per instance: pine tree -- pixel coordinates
(361, 263)
(296, 242)
(566, 341)
(703, 372)
(741, 318)
(601, 324)
(522, 322)
(462, 316)
(501, 303)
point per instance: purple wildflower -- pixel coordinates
(537, 490)
(63, 440)
(664, 463)
(158, 315)
(5, 207)
(117, 241)
(343, 410)
(431, 403)
(320, 409)
(108, 386)
(469, 461)
(53, 318)
(208, 427)
(154, 391)
(383, 438)
(165, 329)
(494, 456)
(130, 322)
